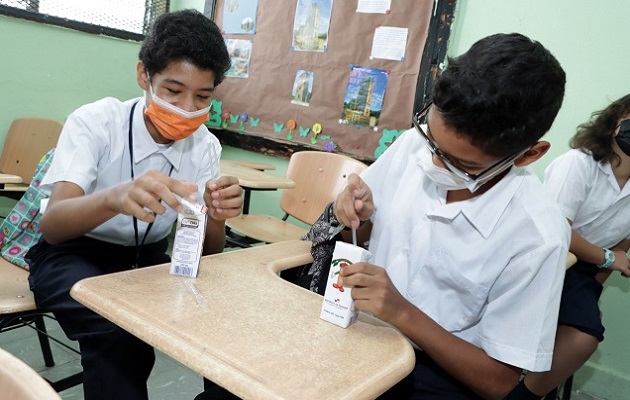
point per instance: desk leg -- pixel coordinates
(246, 200)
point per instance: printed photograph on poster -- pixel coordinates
(364, 96)
(239, 16)
(310, 27)
(240, 53)
(302, 88)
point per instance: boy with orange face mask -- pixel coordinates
(118, 174)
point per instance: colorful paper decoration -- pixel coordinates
(243, 118)
(317, 129)
(254, 121)
(304, 131)
(291, 125)
(277, 127)
(233, 118)
(225, 115)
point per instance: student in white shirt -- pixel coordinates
(591, 185)
(469, 252)
(118, 173)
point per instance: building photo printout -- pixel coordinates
(310, 27)
(240, 53)
(364, 96)
(302, 88)
(239, 16)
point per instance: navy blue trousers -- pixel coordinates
(116, 364)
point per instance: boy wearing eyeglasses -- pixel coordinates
(468, 251)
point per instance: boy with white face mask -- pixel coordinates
(468, 252)
(119, 172)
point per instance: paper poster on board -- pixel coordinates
(239, 16)
(311, 24)
(364, 96)
(302, 88)
(240, 53)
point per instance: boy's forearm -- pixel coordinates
(469, 364)
(214, 241)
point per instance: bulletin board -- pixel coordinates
(335, 75)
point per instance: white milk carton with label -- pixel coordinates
(338, 306)
(189, 236)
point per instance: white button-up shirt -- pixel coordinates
(590, 196)
(489, 269)
(93, 152)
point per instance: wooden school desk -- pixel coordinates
(243, 327)
(250, 178)
(6, 178)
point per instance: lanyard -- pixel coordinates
(135, 220)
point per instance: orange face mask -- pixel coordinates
(172, 122)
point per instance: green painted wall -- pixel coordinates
(49, 71)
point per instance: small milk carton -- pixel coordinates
(338, 306)
(189, 236)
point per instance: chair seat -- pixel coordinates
(265, 228)
(20, 382)
(15, 294)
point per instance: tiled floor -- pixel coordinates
(169, 380)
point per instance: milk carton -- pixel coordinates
(338, 306)
(189, 236)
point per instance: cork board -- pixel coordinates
(266, 110)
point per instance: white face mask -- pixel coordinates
(450, 181)
(176, 110)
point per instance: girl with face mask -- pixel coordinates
(590, 182)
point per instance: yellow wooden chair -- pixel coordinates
(18, 381)
(319, 177)
(27, 140)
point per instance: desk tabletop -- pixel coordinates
(6, 178)
(255, 179)
(240, 325)
(250, 164)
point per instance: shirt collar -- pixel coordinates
(483, 212)
(144, 145)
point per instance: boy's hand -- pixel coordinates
(354, 204)
(622, 263)
(373, 291)
(223, 198)
(143, 196)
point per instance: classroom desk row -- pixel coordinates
(251, 176)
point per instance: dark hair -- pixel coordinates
(503, 93)
(185, 35)
(596, 134)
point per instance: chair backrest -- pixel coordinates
(319, 177)
(18, 381)
(26, 143)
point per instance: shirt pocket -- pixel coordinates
(442, 292)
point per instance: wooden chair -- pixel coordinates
(20, 382)
(18, 309)
(26, 143)
(319, 177)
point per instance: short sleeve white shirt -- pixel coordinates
(590, 196)
(93, 152)
(489, 269)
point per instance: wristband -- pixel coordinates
(609, 259)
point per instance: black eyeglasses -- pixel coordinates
(420, 119)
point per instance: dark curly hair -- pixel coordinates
(185, 35)
(503, 93)
(596, 134)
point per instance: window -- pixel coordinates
(127, 19)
